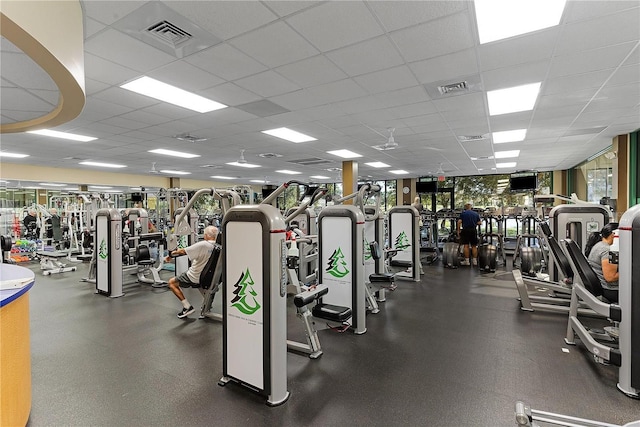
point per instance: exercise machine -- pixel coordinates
(404, 238)
(527, 417)
(621, 306)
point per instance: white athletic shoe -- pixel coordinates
(475, 261)
(465, 262)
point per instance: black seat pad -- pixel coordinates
(587, 275)
(331, 312)
(383, 277)
(398, 263)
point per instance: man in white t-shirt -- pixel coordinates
(199, 254)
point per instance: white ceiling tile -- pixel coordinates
(446, 67)
(410, 95)
(185, 76)
(471, 101)
(351, 22)
(12, 68)
(230, 94)
(108, 12)
(358, 105)
(371, 55)
(226, 61)
(287, 7)
(225, 19)
(274, 45)
(117, 95)
(412, 110)
(440, 37)
(590, 60)
(92, 87)
(575, 82)
(267, 84)
(92, 27)
(583, 10)
(312, 71)
(297, 100)
(335, 91)
(138, 55)
(395, 15)
(605, 31)
(625, 75)
(532, 47)
(105, 71)
(515, 75)
(387, 80)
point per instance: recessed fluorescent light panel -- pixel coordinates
(100, 187)
(243, 165)
(507, 154)
(288, 172)
(136, 188)
(51, 184)
(174, 153)
(399, 172)
(345, 154)
(171, 94)
(377, 165)
(506, 165)
(501, 19)
(319, 177)
(172, 172)
(13, 155)
(509, 136)
(221, 177)
(259, 181)
(62, 135)
(513, 99)
(289, 135)
(103, 165)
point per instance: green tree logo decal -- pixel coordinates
(244, 292)
(182, 242)
(337, 265)
(102, 252)
(402, 241)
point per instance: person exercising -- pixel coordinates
(199, 254)
(467, 223)
(598, 257)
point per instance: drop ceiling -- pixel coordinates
(343, 72)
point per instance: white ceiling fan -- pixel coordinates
(153, 168)
(391, 143)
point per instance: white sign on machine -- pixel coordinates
(244, 303)
(102, 258)
(402, 235)
(369, 237)
(337, 263)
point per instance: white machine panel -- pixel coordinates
(402, 238)
(335, 260)
(102, 256)
(244, 304)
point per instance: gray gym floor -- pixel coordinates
(452, 350)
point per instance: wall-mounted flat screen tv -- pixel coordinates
(426, 186)
(523, 181)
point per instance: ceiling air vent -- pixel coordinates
(310, 161)
(168, 33)
(189, 138)
(453, 88)
(471, 138)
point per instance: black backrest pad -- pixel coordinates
(546, 230)
(209, 270)
(589, 278)
(560, 257)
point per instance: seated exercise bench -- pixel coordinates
(50, 262)
(588, 292)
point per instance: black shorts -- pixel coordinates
(185, 282)
(469, 236)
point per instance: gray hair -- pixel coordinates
(211, 232)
